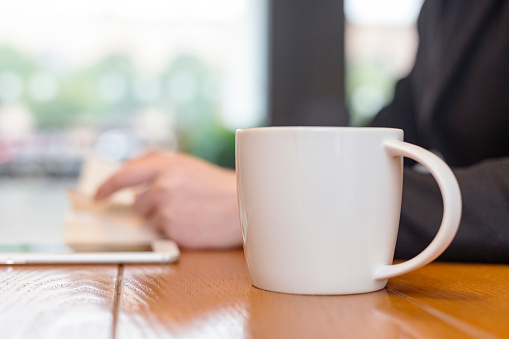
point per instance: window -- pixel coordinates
(118, 77)
(380, 45)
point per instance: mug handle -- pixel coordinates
(452, 207)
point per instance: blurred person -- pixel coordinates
(455, 102)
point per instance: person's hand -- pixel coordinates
(190, 200)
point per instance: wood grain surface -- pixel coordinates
(471, 297)
(57, 301)
(204, 295)
(209, 295)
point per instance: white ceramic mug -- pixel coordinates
(320, 207)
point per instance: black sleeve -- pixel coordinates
(483, 235)
(467, 125)
(401, 112)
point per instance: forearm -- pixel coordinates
(483, 235)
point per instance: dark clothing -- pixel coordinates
(456, 102)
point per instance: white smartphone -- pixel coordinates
(159, 251)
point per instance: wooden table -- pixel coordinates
(209, 295)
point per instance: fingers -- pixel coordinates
(136, 172)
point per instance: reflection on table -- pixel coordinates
(208, 294)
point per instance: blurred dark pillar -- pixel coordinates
(306, 63)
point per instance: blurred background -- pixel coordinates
(119, 77)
